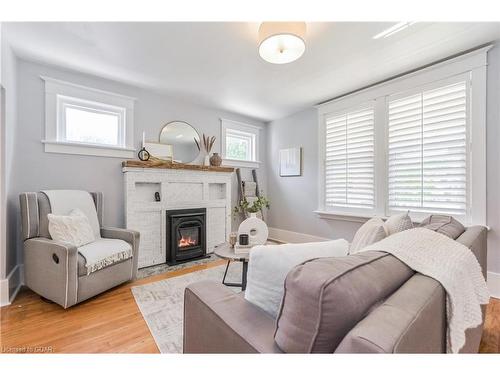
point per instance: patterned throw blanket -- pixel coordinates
(453, 265)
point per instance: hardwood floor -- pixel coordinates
(490, 342)
(112, 323)
(108, 323)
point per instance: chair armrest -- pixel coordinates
(217, 320)
(130, 236)
(51, 270)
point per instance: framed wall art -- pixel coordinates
(291, 162)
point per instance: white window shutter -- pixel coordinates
(349, 160)
(427, 152)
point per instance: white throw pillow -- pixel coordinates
(398, 223)
(74, 229)
(370, 232)
(269, 265)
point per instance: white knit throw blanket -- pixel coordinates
(453, 265)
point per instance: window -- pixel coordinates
(349, 160)
(428, 151)
(417, 143)
(86, 121)
(92, 123)
(240, 144)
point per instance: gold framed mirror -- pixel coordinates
(178, 138)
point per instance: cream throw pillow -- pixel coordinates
(398, 223)
(74, 229)
(370, 232)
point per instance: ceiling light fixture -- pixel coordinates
(400, 26)
(282, 42)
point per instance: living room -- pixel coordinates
(228, 186)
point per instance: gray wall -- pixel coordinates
(34, 169)
(293, 199)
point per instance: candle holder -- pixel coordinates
(233, 238)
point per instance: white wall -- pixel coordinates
(34, 169)
(293, 199)
(493, 158)
(8, 259)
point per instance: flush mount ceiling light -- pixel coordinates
(400, 26)
(282, 42)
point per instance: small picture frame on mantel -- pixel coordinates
(291, 162)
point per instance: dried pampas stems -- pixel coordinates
(208, 143)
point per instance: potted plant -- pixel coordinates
(244, 206)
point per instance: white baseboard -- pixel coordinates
(494, 284)
(286, 236)
(4, 292)
(14, 281)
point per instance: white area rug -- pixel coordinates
(162, 303)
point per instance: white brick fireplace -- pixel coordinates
(179, 189)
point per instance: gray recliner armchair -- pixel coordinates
(57, 270)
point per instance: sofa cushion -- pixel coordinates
(370, 232)
(325, 298)
(444, 224)
(398, 223)
(269, 265)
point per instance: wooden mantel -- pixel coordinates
(168, 165)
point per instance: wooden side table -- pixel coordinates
(225, 251)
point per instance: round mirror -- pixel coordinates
(181, 136)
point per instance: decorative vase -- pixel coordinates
(206, 161)
(215, 160)
(255, 228)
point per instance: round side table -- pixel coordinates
(225, 251)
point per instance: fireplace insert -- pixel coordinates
(186, 235)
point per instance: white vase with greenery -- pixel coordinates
(256, 228)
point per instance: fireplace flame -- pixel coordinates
(186, 241)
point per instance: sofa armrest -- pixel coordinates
(51, 270)
(411, 320)
(217, 320)
(475, 238)
(127, 235)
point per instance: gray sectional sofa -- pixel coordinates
(363, 303)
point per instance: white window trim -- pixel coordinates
(465, 77)
(55, 88)
(239, 126)
(339, 210)
(473, 63)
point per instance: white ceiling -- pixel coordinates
(217, 64)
